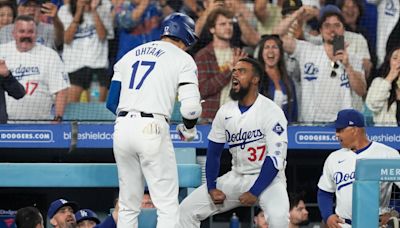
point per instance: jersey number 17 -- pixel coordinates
(135, 67)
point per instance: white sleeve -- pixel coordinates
(117, 74)
(188, 72)
(326, 180)
(65, 16)
(377, 95)
(58, 78)
(217, 133)
(276, 140)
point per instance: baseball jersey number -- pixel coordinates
(253, 153)
(135, 67)
(30, 87)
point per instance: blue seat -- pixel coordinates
(176, 116)
(148, 218)
(93, 111)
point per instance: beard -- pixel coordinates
(243, 91)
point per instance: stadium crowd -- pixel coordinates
(293, 40)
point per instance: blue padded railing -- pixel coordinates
(88, 174)
(79, 175)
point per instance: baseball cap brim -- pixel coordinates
(74, 205)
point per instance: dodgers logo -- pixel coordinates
(310, 71)
(166, 30)
(343, 179)
(242, 138)
(278, 129)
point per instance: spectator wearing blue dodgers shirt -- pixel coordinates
(61, 213)
(86, 218)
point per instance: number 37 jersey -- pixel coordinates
(150, 75)
(252, 135)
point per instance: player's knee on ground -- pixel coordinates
(189, 96)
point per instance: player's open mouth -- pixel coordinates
(235, 83)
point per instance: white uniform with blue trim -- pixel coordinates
(149, 76)
(338, 176)
(251, 136)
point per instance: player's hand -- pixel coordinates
(248, 199)
(334, 221)
(186, 134)
(217, 196)
(3, 69)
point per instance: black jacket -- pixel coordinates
(14, 89)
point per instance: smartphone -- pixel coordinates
(338, 43)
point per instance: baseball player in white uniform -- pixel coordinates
(339, 169)
(255, 129)
(142, 94)
(40, 70)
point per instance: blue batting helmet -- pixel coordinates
(180, 26)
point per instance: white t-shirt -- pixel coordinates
(251, 136)
(150, 75)
(338, 175)
(41, 72)
(322, 95)
(87, 50)
(388, 15)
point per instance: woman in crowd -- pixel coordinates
(383, 97)
(88, 26)
(276, 84)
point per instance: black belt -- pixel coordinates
(142, 114)
(348, 221)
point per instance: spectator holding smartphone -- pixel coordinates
(329, 81)
(50, 35)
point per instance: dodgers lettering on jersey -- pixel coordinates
(339, 174)
(322, 95)
(242, 138)
(150, 75)
(251, 136)
(41, 72)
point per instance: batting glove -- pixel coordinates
(186, 134)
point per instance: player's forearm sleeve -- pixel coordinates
(13, 87)
(325, 203)
(113, 96)
(107, 223)
(214, 152)
(266, 176)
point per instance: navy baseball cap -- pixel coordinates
(86, 214)
(23, 2)
(329, 9)
(56, 205)
(349, 118)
